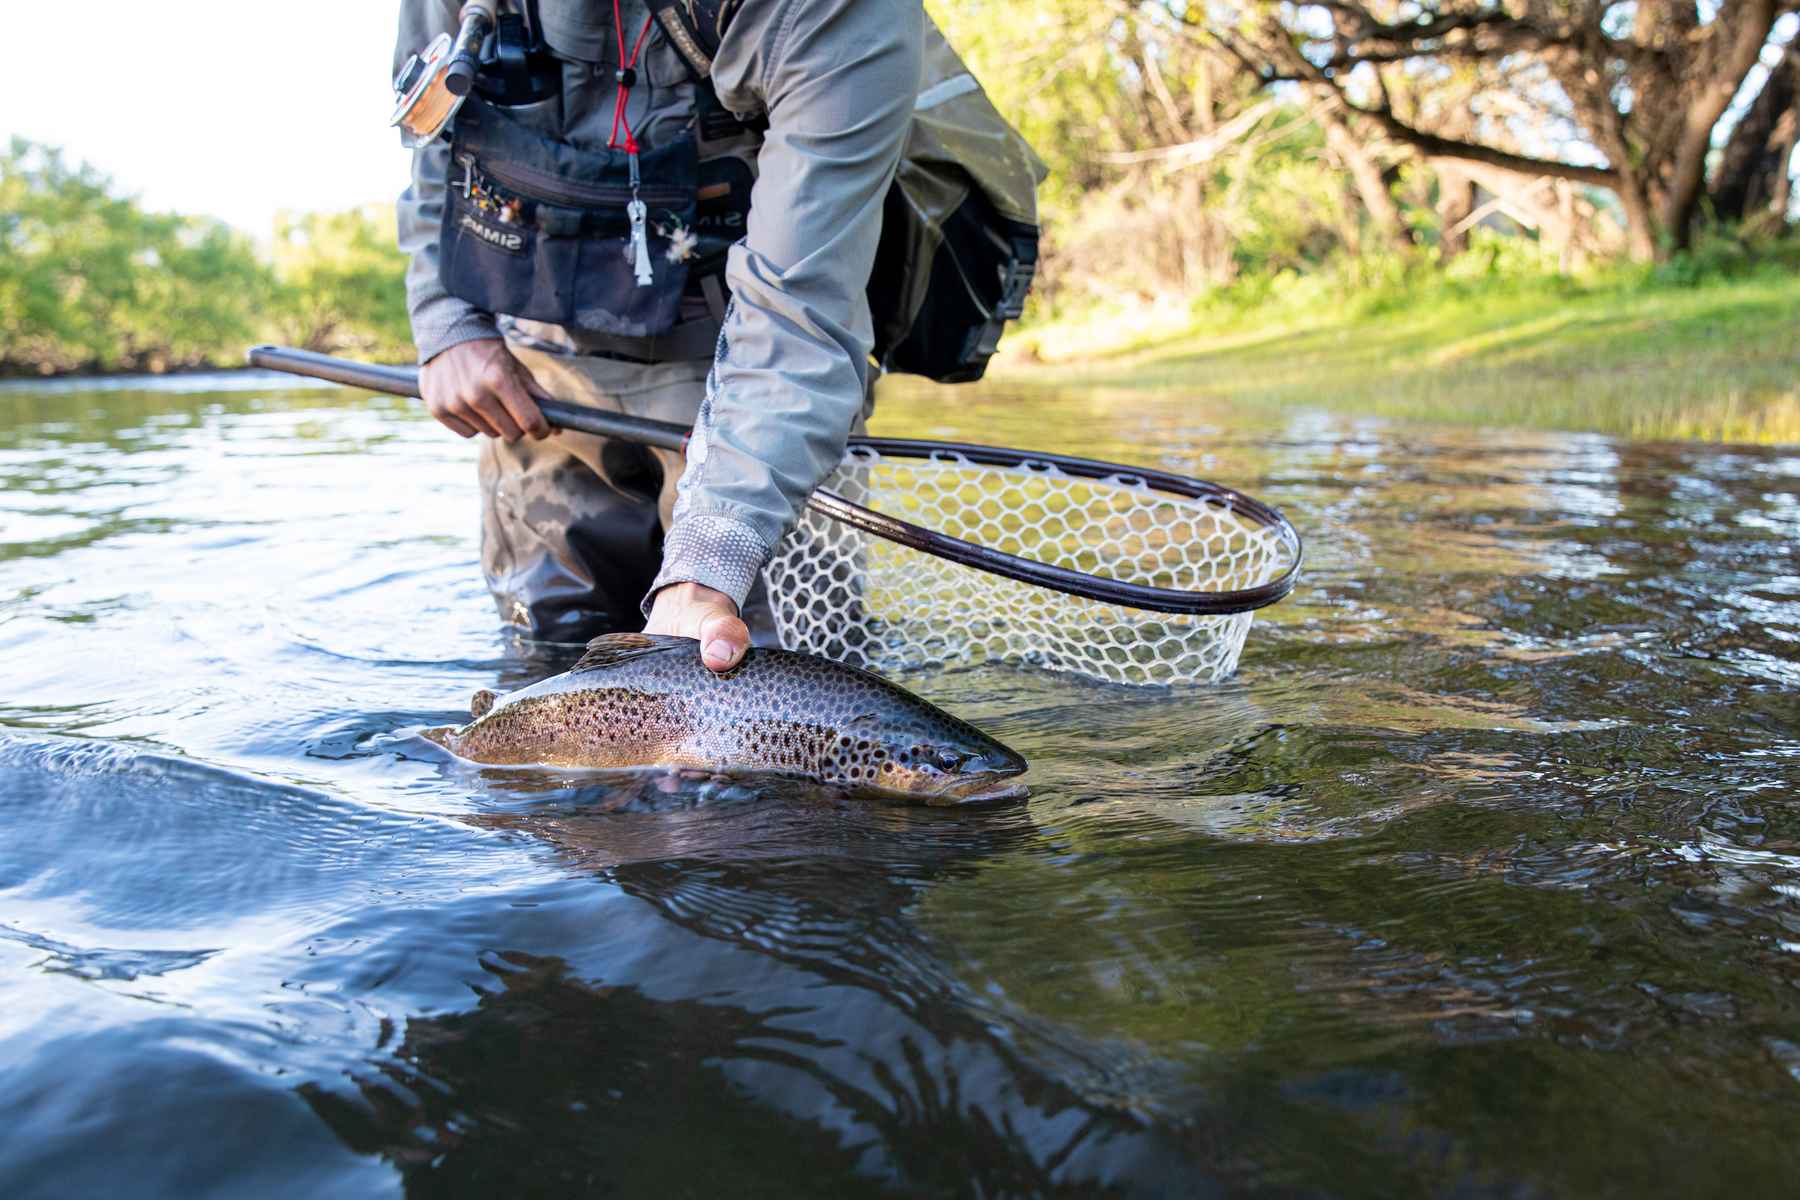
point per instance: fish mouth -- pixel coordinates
(992, 789)
(997, 793)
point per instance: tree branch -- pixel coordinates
(1443, 147)
(1435, 144)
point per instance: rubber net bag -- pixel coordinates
(873, 602)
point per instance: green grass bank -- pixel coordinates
(1695, 350)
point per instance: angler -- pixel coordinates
(642, 700)
(729, 213)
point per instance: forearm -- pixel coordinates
(838, 79)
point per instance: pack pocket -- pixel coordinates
(504, 266)
(539, 229)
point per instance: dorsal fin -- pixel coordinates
(611, 649)
(481, 703)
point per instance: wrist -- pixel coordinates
(436, 331)
(715, 551)
(688, 592)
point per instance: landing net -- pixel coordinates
(872, 601)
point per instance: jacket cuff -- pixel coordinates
(444, 322)
(715, 551)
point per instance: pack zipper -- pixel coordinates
(536, 185)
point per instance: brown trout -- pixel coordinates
(645, 700)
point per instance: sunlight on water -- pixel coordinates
(1480, 877)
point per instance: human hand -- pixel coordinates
(693, 610)
(479, 387)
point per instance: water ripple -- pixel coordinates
(1484, 864)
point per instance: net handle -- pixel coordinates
(404, 381)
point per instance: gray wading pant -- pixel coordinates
(572, 526)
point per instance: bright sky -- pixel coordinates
(236, 109)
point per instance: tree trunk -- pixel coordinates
(1455, 202)
(1754, 165)
(1640, 217)
(1687, 169)
(1781, 187)
(1365, 172)
(1596, 112)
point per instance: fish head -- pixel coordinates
(940, 761)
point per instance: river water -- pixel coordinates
(1481, 878)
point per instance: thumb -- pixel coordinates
(723, 641)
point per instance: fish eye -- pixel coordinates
(946, 759)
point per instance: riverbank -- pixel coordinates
(1638, 354)
(1633, 354)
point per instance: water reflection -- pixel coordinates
(820, 1012)
(1484, 865)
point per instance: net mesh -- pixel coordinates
(868, 601)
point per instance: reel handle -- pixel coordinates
(478, 18)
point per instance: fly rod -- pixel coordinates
(1122, 488)
(404, 381)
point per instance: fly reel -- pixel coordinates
(434, 82)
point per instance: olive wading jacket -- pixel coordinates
(836, 80)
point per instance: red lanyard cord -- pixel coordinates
(626, 75)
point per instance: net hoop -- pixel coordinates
(1124, 593)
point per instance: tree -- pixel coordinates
(89, 280)
(1627, 93)
(342, 282)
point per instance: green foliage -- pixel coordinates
(1050, 67)
(1180, 186)
(1498, 337)
(1725, 253)
(90, 281)
(340, 283)
(1181, 193)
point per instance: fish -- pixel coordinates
(647, 700)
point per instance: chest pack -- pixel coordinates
(535, 227)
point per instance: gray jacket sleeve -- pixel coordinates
(838, 79)
(439, 320)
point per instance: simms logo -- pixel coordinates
(499, 239)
